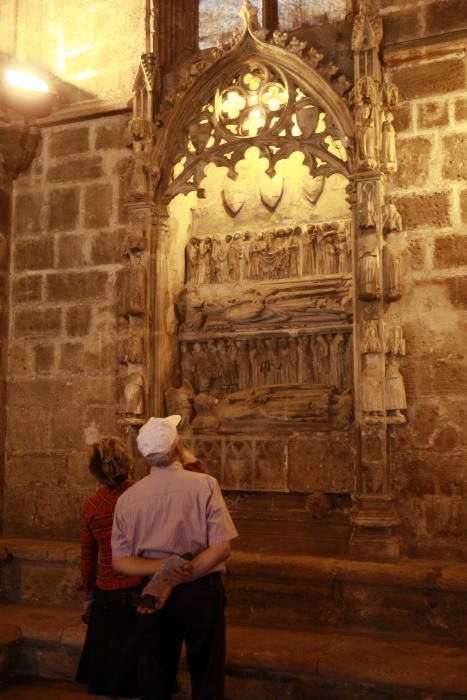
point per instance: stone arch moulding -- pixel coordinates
(263, 339)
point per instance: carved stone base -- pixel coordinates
(375, 534)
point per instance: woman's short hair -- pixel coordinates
(110, 461)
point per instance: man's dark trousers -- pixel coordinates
(194, 611)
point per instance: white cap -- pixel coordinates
(158, 435)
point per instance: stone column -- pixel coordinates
(375, 534)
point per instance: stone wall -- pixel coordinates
(66, 253)
(430, 191)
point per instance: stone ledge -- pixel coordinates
(448, 576)
(276, 652)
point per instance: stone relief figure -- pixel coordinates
(232, 350)
(370, 341)
(391, 273)
(135, 348)
(394, 340)
(135, 241)
(293, 248)
(191, 259)
(220, 266)
(392, 220)
(369, 267)
(257, 248)
(227, 367)
(395, 390)
(234, 257)
(372, 389)
(365, 128)
(253, 361)
(190, 309)
(243, 364)
(303, 359)
(388, 145)
(337, 361)
(203, 266)
(245, 258)
(329, 254)
(367, 210)
(180, 401)
(132, 398)
(320, 350)
(275, 365)
(202, 368)
(309, 245)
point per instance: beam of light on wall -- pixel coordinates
(25, 81)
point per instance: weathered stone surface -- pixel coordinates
(63, 209)
(425, 79)
(460, 109)
(432, 114)
(71, 250)
(321, 464)
(463, 205)
(36, 470)
(417, 254)
(27, 288)
(28, 207)
(69, 141)
(403, 117)
(455, 157)
(71, 358)
(450, 251)
(106, 248)
(79, 169)
(457, 287)
(36, 254)
(98, 205)
(445, 16)
(29, 431)
(71, 286)
(413, 157)
(424, 210)
(78, 320)
(44, 358)
(403, 25)
(38, 322)
(53, 393)
(112, 134)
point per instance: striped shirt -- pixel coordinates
(171, 511)
(96, 553)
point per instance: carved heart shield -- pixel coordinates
(199, 133)
(233, 195)
(313, 189)
(307, 118)
(271, 189)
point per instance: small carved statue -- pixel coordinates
(388, 145)
(190, 309)
(257, 248)
(392, 220)
(370, 337)
(202, 368)
(391, 273)
(191, 258)
(369, 287)
(395, 390)
(132, 399)
(372, 388)
(205, 407)
(365, 127)
(367, 213)
(394, 340)
(234, 257)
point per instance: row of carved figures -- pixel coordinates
(266, 255)
(394, 389)
(222, 366)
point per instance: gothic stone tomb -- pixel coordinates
(261, 262)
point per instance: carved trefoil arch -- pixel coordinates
(258, 275)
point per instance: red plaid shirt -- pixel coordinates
(96, 552)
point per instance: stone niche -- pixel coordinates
(254, 282)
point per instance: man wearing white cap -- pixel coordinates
(173, 511)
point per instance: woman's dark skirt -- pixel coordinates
(109, 660)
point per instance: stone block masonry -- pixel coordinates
(430, 191)
(62, 390)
